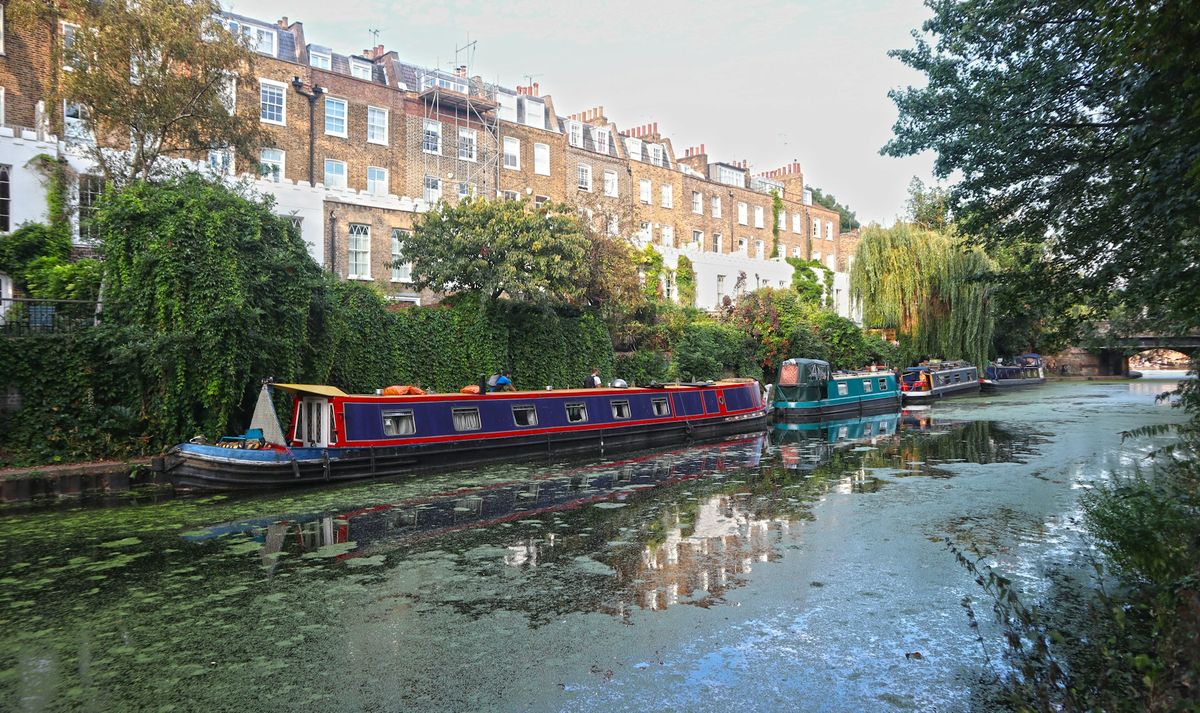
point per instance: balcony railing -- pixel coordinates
(20, 316)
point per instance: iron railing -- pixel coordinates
(20, 316)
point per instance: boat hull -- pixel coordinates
(1004, 384)
(804, 411)
(924, 397)
(213, 468)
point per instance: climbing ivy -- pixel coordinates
(651, 263)
(804, 280)
(776, 211)
(685, 281)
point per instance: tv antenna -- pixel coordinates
(374, 33)
(469, 48)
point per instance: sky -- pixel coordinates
(767, 81)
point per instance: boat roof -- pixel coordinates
(800, 360)
(1031, 355)
(315, 389)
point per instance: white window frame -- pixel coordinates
(376, 111)
(541, 159)
(697, 202)
(667, 195)
(3, 98)
(743, 213)
(816, 228)
(758, 216)
(282, 102)
(2, 28)
(575, 133)
(797, 223)
(272, 175)
(258, 33)
(365, 253)
(656, 154)
(718, 243)
(328, 60)
(465, 132)
(668, 236)
(698, 239)
(431, 127)
(781, 220)
(645, 191)
(760, 250)
(716, 206)
(583, 177)
(334, 101)
(611, 187)
(425, 189)
(358, 64)
(829, 230)
(386, 184)
(221, 161)
(325, 176)
(401, 272)
(512, 141)
(598, 134)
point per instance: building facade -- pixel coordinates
(360, 144)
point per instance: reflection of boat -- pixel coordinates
(480, 507)
(1027, 371)
(808, 445)
(937, 379)
(806, 389)
(337, 437)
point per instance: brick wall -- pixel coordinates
(524, 181)
(381, 222)
(24, 71)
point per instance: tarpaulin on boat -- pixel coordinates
(313, 389)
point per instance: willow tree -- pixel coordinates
(928, 286)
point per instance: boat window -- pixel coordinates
(576, 413)
(883, 385)
(525, 415)
(867, 430)
(661, 408)
(842, 388)
(866, 386)
(620, 409)
(332, 425)
(958, 377)
(466, 419)
(399, 423)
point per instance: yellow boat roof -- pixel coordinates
(315, 389)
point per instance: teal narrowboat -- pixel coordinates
(807, 389)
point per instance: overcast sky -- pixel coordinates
(763, 80)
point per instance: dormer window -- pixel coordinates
(634, 148)
(602, 138)
(360, 69)
(575, 133)
(261, 39)
(320, 60)
(656, 154)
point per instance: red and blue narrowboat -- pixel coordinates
(340, 437)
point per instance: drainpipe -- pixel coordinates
(317, 91)
(333, 242)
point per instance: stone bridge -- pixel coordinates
(1113, 358)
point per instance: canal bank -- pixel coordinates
(767, 574)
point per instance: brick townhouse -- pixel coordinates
(360, 144)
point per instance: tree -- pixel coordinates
(157, 76)
(848, 220)
(928, 208)
(930, 287)
(1074, 124)
(610, 281)
(496, 247)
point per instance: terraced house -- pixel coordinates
(360, 144)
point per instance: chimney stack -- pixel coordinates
(461, 71)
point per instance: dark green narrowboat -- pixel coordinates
(807, 389)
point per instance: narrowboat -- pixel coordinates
(805, 446)
(937, 379)
(1025, 371)
(339, 437)
(807, 389)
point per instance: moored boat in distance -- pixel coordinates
(1026, 371)
(937, 379)
(340, 437)
(807, 389)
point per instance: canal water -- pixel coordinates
(801, 569)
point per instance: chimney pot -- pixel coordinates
(535, 89)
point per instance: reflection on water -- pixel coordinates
(226, 599)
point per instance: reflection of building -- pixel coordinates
(723, 541)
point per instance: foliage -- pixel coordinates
(930, 287)
(804, 280)
(641, 367)
(496, 247)
(845, 346)
(881, 351)
(220, 288)
(652, 267)
(611, 281)
(928, 208)
(50, 278)
(29, 243)
(848, 219)
(1029, 317)
(712, 350)
(685, 280)
(1075, 121)
(776, 211)
(156, 74)
(778, 324)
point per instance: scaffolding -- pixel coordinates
(461, 104)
